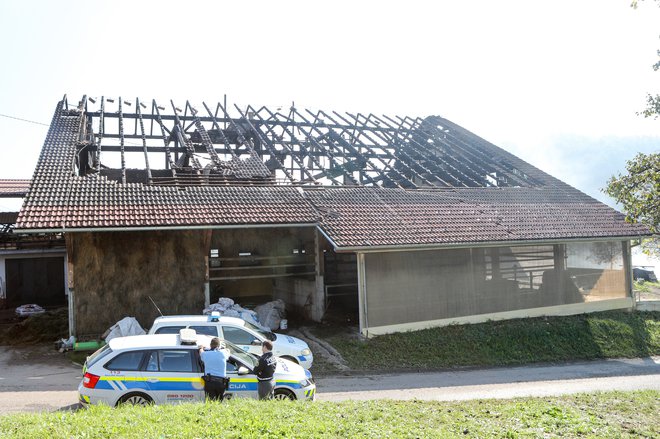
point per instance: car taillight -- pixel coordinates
(90, 380)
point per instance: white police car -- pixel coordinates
(239, 332)
(162, 369)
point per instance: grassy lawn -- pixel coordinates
(647, 290)
(613, 414)
(546, 339)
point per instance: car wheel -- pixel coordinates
(135, 398)
(286, 357)
(284, 394)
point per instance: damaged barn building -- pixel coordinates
(32, 266)
(399, 222)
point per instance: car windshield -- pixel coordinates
(250, 360)
(266, 334)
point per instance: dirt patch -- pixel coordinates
(47, 327)
(327, 361)
(36, 354)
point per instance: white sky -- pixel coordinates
(556, 82)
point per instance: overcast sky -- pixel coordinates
(557, 83)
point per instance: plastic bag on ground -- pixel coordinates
(271, 313)
(251, 317)
(124, 327)
(214, 307)
(222, 306)
(231, 313)
(29, 309)
(227, 307)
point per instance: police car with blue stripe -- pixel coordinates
(166, 368)
(239, 332)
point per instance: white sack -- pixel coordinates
(271, 313)
(124, 327)
(29, 309)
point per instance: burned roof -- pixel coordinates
(366, 180)
(7, 221)
(63, 197)
(7, 218)
(154, 144)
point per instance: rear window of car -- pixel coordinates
(169, 329)
(96, 356)
(206, 330)
(126, 361)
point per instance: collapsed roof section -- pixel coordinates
(65, 195)
(7, 221)
(365, 180)
(168, 143)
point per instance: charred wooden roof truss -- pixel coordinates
(187, 144)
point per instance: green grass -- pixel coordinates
(612, 414)
(645, 287)
(548, 339)
(646, 290)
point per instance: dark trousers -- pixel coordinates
(214, 387)
(265, 389)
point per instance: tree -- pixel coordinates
(652, 102)
(638, 191)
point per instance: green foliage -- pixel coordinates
(612, 414)
(642, 286)
(638, 191)
(652, 103)
(635, 3)
(546, 339)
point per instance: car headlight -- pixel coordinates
(304, 383)
(305, 352)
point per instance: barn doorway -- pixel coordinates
(35, 280)
(341, 285)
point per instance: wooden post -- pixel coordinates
(208, 234)
(69, 281)
(362, 295)
(627, 269)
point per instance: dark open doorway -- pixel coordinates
(35, 280)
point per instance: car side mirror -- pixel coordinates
(242, 370)
(255, 342)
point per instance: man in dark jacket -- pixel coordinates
(265, 371)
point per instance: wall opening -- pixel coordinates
(254, 266)
(35, 280)
(418, 286)
(341, 285)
